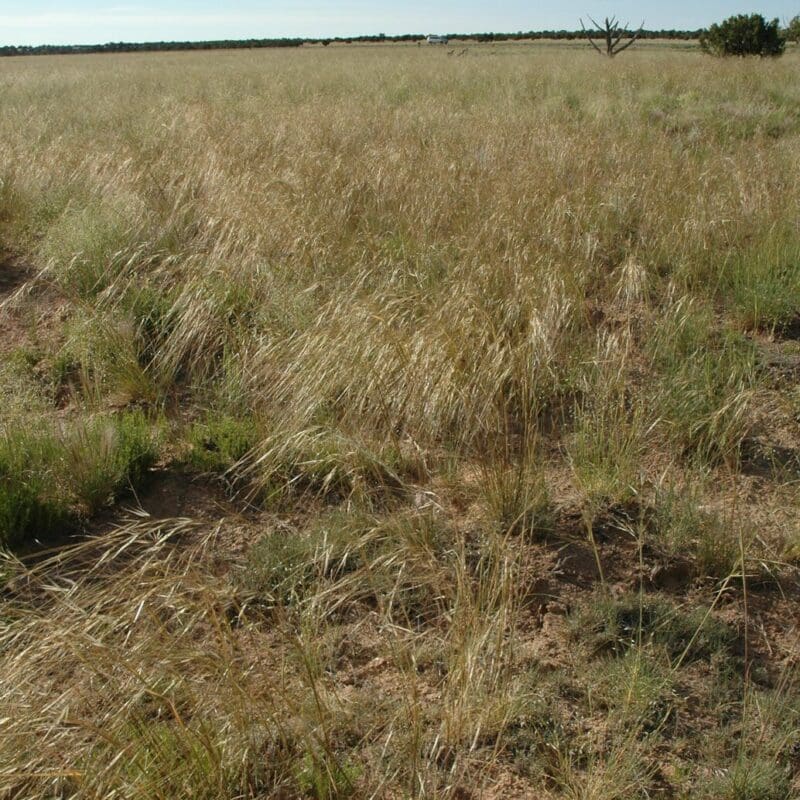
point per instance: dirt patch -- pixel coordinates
(781, 362)
(763, 459)
(12, 277)
(176, 495)
(789, 330)
(169, 495)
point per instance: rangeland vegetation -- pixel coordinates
(381, 424)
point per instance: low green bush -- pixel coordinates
(744, 35)
(684, 526)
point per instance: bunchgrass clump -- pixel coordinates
(320, 463)
(516, 498)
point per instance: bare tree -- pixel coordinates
(613, 33)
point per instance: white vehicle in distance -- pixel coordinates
(435, 38)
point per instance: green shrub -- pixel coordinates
(323, 778)
(104, 349)
(609, 438)
(87, 248)
(149, 308)
(634, 688)
(400, 563)
(744, 35)
(168, 760)
(749, 779)
(284, 565)
(411, 567)
(792, 32)
(516, 498)
(326, 464)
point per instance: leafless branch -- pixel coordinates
(613, 33)
(632, 39)
(589, 37)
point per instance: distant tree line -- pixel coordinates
(134, 47)
(233, 44)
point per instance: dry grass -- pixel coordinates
(486, 367)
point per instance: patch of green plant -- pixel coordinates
(149, 309)
(39, 205)
(284, 565)
(326, 464)
(614, 626)
(87, 247)
(754, 749)
(22, 360)
(106, 456)
(167, 759)
(409, 569)
(684, 526)
(64, 372)
(280, 567)
(47, 477)
(23, 393)
(104, 350)
(9, 200)
(704, 385)
(219, 441)
(204, 322)
(400, 563)
(9, 568)
(792, 547)
(516, 498)
(763, 283)
(608, 441)
(541, 730)
(636, 689)
(31, 505)
(326, 778)
(747, 779)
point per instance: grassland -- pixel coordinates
(382, 423)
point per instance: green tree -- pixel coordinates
(792, 32)
(744, 35)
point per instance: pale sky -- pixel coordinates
(91, 21)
